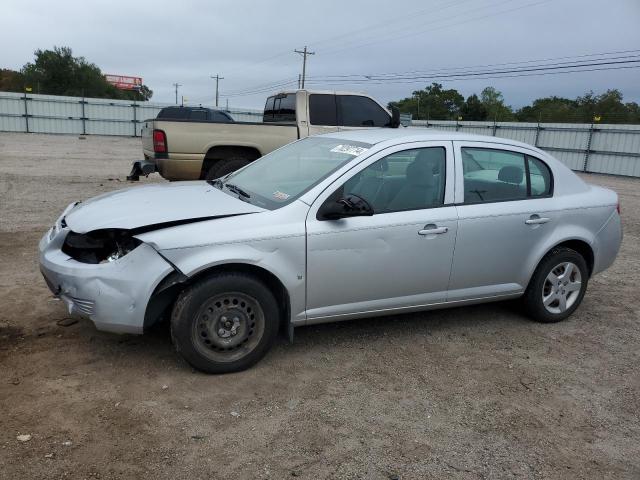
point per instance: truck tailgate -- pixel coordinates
(147, 138)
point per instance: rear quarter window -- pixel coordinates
(541, 179)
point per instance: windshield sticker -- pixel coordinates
(349, 150)
(280, 195)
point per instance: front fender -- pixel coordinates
(282, 257)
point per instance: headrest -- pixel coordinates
(511, 174)
(420, 173)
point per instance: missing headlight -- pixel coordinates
(99, 246)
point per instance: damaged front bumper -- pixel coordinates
(113, 295)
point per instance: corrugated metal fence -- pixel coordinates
(56, 114)
(613, 149)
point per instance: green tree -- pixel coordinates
(58, 72)
(11, 81)
(433, 102)
(549, 109)
(493, 102)
(607, 106)
(473, 109)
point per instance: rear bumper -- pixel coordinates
(114, 296)
(142, 167)
(607, 243)
(180, 167)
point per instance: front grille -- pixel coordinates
(84, 306)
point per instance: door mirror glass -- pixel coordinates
(348, 206)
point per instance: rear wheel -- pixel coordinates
(557, 286)
(223, 167)
(225, 323)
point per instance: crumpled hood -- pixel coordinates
(155, 204)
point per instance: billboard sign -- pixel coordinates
(124, 82)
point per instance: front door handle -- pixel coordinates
(536, 220)
(432, 229)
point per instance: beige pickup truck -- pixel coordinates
(181, 149)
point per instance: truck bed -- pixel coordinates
(188, 142)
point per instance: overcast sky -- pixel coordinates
(250, 43)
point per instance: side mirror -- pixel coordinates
(395, 117)
(349, 206)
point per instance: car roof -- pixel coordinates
(394, 136)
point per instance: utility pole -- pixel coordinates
(176, 85)
(304, 54)
(218, 78)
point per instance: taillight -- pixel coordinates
(159, 141)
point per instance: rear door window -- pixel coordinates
(357, 111)
(322, 109)
(493, 175)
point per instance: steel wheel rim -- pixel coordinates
(228, 326)
(561, 287)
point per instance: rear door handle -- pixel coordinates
(536, 220)
(432, 229)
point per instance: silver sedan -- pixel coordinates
(333, 227)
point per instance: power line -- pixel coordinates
(435, 75)
(502, 75)
(353, 32)
(396, 37)
(259, 88)
(453, 73)
(440, 69)
(378, 39)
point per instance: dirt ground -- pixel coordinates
(477, 392)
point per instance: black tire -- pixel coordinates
(540, 285)
(223, 167)
(203, 314)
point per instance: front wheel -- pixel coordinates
(224, 323)
(557, 286)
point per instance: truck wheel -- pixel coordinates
(223, 167)
(224, 323)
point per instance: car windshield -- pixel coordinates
(285, 174)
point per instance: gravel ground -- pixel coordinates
(476, 392)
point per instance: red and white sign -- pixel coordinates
(124, 82)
